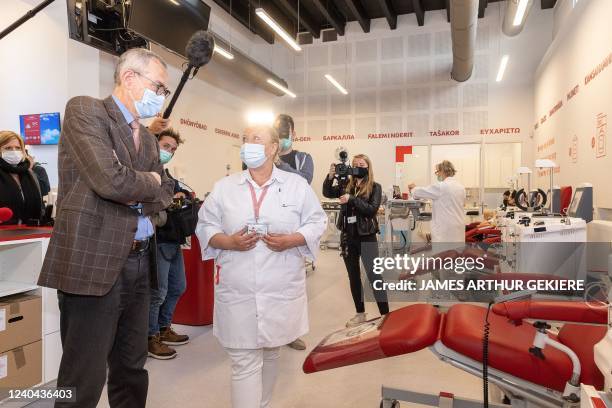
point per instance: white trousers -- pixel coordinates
(254, 373)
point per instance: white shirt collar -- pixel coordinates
(277, 175)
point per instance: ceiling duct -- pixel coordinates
(250, 70)
(515, 17)
(463, 19)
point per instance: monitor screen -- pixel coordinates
(40, 128)
(169, 23)
(574, 206)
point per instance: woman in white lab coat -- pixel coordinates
(259, 225)
(448, 202)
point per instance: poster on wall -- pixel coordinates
(40, 128)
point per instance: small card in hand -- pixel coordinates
(259, 229)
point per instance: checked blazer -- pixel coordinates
(100, 171)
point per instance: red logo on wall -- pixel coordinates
(599, 141)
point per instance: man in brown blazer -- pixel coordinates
(101, 254)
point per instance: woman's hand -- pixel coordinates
(281, 242)
(332, 171)
(241, 241)
(344, 199)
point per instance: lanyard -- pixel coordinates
(256, 202)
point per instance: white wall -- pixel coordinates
(582, 44)
(41, 68)
(398, 82)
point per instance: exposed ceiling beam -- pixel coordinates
(240, 11)
(548, 4)
(482, 5)
(306, 20)
(419, 12)
(387, 9)
(331, 15)
(359, 13)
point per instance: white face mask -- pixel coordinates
(13, 157)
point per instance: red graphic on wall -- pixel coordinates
(573, 150)
(32, 129)
(599, 142)
(400, 151)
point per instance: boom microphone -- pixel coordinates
(199, 52)
(5, 214)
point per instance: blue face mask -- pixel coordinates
(285, 144)
(164, 156)
(253, 155)
(150, 104)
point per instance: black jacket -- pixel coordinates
(364, 209)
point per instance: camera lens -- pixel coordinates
(343, 154)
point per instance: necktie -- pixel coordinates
(135, 125)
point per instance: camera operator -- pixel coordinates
(170, 266)
(360, 197)
(292, 160)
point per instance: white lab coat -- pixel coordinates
(448, 212)
(260, 295)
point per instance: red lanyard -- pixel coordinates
(256, 202)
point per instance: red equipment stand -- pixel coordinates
(195, 307)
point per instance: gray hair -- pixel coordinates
(136, 59)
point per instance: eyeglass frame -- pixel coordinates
(159, 86)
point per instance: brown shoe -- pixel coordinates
(159, 350)
(169, 337)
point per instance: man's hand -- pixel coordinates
(279, 242)
(241, 241)
(156, 176)
(180, 194)
(158, 125)
(344, 199)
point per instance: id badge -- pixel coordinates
(352, 220)
(259, 229)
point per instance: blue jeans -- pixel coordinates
(172, 284)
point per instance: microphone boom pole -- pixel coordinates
(25, 18)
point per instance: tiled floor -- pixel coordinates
(200, 377)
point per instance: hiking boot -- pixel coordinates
(160, 351)
(171, 338)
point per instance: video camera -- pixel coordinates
(343, 170)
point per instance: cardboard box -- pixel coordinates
(20, 368)
(20, 321)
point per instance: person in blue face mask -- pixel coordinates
(102, 254)
(170, 266)
(292, 160)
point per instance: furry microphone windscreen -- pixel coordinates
(199, 49)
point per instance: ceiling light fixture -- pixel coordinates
(502, 68)
(282, 88)
(176, 3)
(520, 12)
(260, 117)
(336, 84)
(223, 52)
(261, 13)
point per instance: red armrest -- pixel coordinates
(565, 311)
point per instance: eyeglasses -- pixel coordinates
(160, 89)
